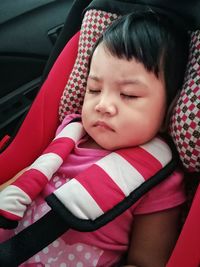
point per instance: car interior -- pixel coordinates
(28, 33)
(36, 95)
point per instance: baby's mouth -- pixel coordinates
(103, 125)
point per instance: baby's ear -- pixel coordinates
(165, 125)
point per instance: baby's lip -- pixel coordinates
(103, 125)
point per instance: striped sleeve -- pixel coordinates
(16, 197)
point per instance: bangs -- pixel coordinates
(145, 43)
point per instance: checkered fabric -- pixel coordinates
(94, 24)
(185, 121)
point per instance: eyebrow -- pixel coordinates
(121, 82)
(95, 78)
(130, 81)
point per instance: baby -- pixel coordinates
(136, 68)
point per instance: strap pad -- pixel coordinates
(117, 180)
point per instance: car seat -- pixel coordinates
(63, 90)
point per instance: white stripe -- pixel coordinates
(75, 198)
(121, 172)
(48, 164)
(159, 150)
(73, 130)
(8, 201)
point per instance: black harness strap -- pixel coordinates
(34, 238)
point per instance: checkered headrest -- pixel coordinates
(93, 25)
(185, 121)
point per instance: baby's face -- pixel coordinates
(124, 104)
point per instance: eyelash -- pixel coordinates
(93, 91)
(125, 96)
(128, 96)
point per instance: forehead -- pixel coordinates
(103, 63)
(104, 60)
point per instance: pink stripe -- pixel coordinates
(31, 182)
(61, 146)
(107, 194)
(9, 215)
(143, 161)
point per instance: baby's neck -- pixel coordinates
(90, 143)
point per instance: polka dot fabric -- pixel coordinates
(185, 122)
(93, 25)
(58, 254)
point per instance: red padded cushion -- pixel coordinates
(42, 120)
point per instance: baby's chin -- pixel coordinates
(113, 147)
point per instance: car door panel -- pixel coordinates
(28, 31)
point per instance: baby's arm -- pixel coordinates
(16, 196)
(153, 238)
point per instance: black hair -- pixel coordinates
(153, 40)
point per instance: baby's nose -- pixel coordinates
(106, 105)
